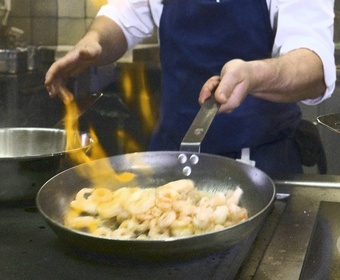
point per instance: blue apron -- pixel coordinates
(197, 37)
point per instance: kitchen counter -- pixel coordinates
(283, 248)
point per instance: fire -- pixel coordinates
(136, 93)
(96, 171)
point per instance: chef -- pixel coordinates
(258, 57)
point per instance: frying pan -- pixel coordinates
(210, 173)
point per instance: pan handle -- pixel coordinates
(199, 127)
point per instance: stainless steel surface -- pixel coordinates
(289, 236)
(309, 180)
(323, 259)
(331, 121)
(198, 129)
(211, 173)
(29, 157)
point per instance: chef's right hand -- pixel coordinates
(74, 62)
(232, 86)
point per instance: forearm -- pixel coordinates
(110, 38)
(293, 77)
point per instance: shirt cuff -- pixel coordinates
(328, 61)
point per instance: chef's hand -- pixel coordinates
(74, 62)
(291, 77)
(231, 87)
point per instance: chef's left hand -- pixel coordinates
(231, 87)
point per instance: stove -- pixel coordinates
(299, 240)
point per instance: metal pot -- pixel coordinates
(28, 158)
(211, 173)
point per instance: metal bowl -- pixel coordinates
(31, 156)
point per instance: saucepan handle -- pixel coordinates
(199, 127)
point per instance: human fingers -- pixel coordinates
(208, 88)
(73, 63)
(234, 85)
(53, 80)
(58, 88)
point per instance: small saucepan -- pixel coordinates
(29, 157)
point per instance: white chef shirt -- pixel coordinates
(297, 23)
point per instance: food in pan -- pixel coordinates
(175, 209)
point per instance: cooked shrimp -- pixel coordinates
(172, 210)
(165, 196)
(203, 217)
(220, 214)
(182, 226)
(141, 201)
(102, 231)
(166, 219)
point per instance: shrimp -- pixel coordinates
(217, 199)
(203, 217)
(108, 210)
(84, 205)
(166, 219)
(102, 231)
(172, 210)
(220, 214)
(141, 201)
(122, 233)
(235, 196)
(157, 233)
(180, 186)
(88, 223)
(165, 197)
(183, 207)
(182, 227)
(237, 213)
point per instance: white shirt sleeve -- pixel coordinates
(136, 18)
(312, 27)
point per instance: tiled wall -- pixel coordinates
(63, 22)
(53, 22)
(337, 21)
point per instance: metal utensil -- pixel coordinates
(30, 156)
(193, 138)
(212, 173)
(83, 105)
(331, 121)
(199, 127)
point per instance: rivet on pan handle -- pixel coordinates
(193, 138)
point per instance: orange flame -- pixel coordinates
(96, 171)
(136, 92)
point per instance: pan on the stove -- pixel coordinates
(211, 173)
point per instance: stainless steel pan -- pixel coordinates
(210, 172)
(31, 156)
